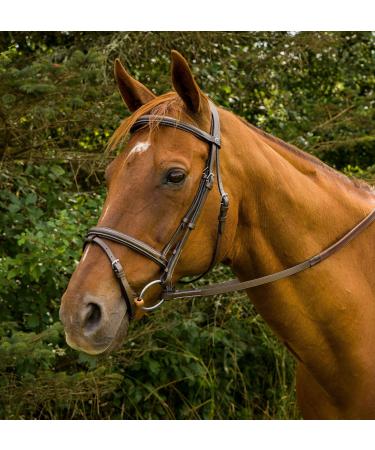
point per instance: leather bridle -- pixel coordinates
(168, 258)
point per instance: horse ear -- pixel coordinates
(134, 93)
(184, 83)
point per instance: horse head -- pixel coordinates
(152, 186)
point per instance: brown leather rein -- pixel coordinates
(171, 253)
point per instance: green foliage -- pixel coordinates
(34, 382)
(58, 106)
(59, 86)
(199, 361)
(206, 362)
(42, 224)
(313, 89)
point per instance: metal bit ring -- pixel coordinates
(150, 308)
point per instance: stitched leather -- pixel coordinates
(124, 239)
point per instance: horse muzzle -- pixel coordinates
(93, 324)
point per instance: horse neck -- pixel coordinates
(287, 207)
(290, 208)
(291, 205)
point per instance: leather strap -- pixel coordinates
(128, 241)
(224, 202)
(236, 285)
(126, 291)
(173, 123)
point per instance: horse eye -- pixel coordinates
(175, 176)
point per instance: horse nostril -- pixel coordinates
(93, 317)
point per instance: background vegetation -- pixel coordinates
(209, 358)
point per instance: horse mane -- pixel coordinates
(359, 184)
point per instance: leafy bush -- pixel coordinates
(312, 89)
(34, 382)
(42, 225)
(187, 362)
(207, 358)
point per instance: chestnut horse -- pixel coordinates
(285, 206)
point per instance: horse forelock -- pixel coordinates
(164, 105)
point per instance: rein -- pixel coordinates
(168, 258)
(235, 285)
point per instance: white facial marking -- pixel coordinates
(140, 147)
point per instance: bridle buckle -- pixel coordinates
(209, 180)
(116, 266)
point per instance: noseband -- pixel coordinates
(168, 258)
